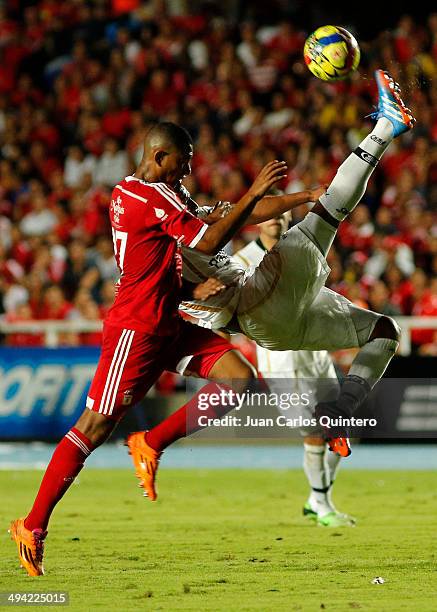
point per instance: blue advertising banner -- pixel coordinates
(43, 391)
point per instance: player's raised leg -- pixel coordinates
(378, 335)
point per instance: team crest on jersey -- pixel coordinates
(219, 260)
(160, 213)
(117, 209)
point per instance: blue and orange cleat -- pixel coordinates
(391, 105)
(30, 546)
(146, 462)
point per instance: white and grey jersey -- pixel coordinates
(218, 310)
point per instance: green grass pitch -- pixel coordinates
(231, 540)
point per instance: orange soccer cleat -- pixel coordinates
(340, 446)
(336, 437)
(146, 461)
(30, 546)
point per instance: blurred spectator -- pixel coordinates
(107, 296)
(388, 249)
(40, 220)
(54, 305)
(79, 270)
(20, 314)
(112, 165)
(378, 299)
(91, 313)
(425, 306)
(104, 260)
(160, 96)
(14, 296)
(356, 233)
(263, 72)
(86, 309)
(77, 166)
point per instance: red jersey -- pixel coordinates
(149, 223)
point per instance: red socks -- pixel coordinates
(185, 421)
(65, 465)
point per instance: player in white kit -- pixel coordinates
(282, 303)
(300, 371)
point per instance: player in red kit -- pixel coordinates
(143, 334)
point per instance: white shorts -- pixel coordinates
(284, 304)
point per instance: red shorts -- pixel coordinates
(132, 361)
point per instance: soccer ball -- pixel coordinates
(331, 53)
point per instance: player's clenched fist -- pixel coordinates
(272, 172)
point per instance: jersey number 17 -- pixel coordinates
(119, 237)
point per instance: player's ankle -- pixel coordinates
(324, 214)
(31, 525)
(383, 130)
(153, 442)
(354, 391)
(319, 504)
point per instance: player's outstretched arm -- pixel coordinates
(269, 207)
(273, 206)
(218, 234)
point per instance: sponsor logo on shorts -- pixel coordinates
(343, 211)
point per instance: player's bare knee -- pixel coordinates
(96, 427)
(247, 372)
(386, 327)
(243, 377)
(232, 366)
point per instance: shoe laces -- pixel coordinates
(374, 114)
(39, 536)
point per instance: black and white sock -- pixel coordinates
(366, 370)
(332, 463)
(318, 478)
(350, 182)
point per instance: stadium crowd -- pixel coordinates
(74, 104)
